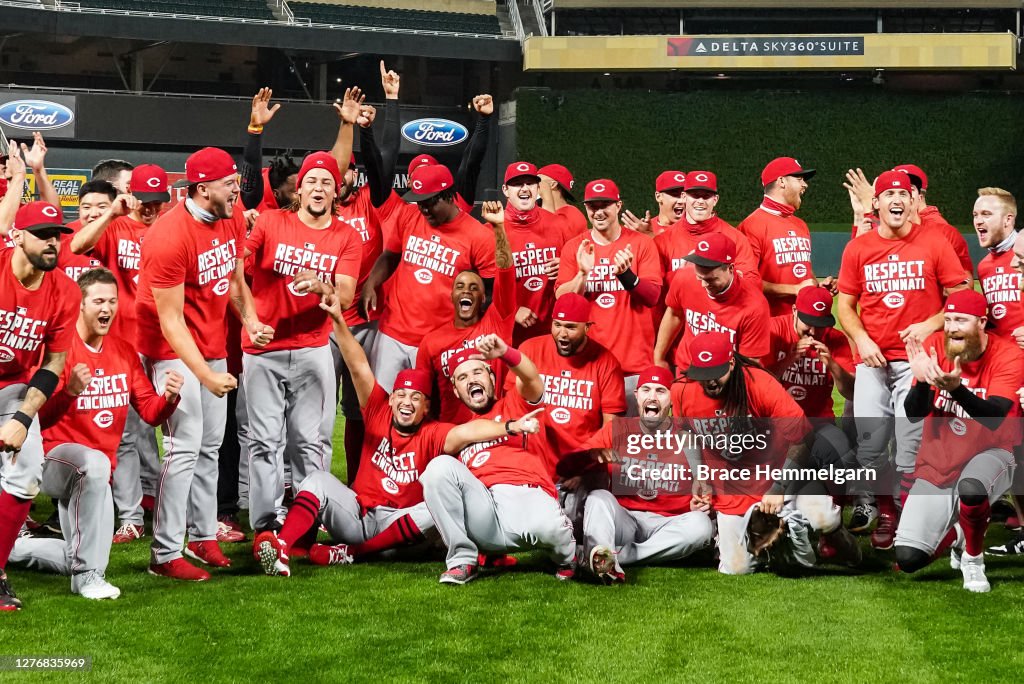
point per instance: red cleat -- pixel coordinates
(227, 535)
(179, 569)
(270, 553)
(207, 552)
(884, 536)
(148, 503)
(497, 561)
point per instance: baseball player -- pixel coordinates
(497, 496)
(891, 282)
(298, 255)
(698, 221)
(556, 186)
(728, 394)
(965, 384)
(82, 426)
(718, 298)
(94, 199)
(191, 267)
(117, 172)
(384, 507)
(655, 521)
(929, 216)
(995, 213)
(37, 319)
(470, 323)
(425, 258)
(617, 269)
(781, 242)
(671, 200)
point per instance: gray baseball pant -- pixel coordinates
(472, 517)
(138, 468)
(21, 478)
(388, 358)
(242, 420)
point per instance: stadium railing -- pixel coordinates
(538, 12)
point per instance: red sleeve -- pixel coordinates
(850, 275)
(393, 229)
(674, 297)
(776, 403)
(612, 387)
(258, 235)
(756, 244)
(434, 444)
(376, 406)
(1007, 377)
(567, 266)
(150, 406)
(165, 261)
(62, 327)
(959, 244)
(602, 439)
(842, 353)
(483, 254)
(101, 250)
(949, 269)
(423, 357)
(648, 270)
(746, 262)
(504, 295)
(756, 340)
(351, 255)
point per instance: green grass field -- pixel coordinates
(394, 622)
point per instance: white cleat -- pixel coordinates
(973, 569)
(92, 585)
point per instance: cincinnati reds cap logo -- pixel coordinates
(998, 311)
(297, 293)
(705, 356)
(599, 187)
(522, 167)
(703, 246)
(571, 183)
(799, 270)
(679, 178)
(561, 416)
(153, 182)
(104, 419)
(606, 300)
(819, 307)
(319, 162)
(417, 185)
(50, 212)
(897, 183)
(702, 177)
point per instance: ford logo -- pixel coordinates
(434, 132)
(36, 115)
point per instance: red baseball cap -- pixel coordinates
(413, 379)
(319, 160)
(970, 302)
(814, 307)
(572, 308)
(655, 375)
(916, 173)
(209, 164)
(889, 180)
(670, 180)
(713, 250)
(701, 180)
(710, 354)
(149, 184)
(460, 357)
(521, 169)
(601, 190)
(40, 215)
(784, 166)
(421, 160)
(560, 175)
(428, 181)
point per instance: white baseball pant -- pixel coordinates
(21, 478)
(138, 468)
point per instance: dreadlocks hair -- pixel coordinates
(280, 169)
(764, 531)
(736, 401)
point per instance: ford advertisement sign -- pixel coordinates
(434, 132)
(54, 115)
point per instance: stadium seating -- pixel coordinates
(322, 13)
(245, 9)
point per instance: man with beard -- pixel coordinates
(699, 221)
(725, 396)
(556, 186)
(497, 496)
(384, 508)
(424, 257)
(536, 238)
(289, 383)
(470, 323)
(82, 427)
(891, 282)
(37, 321)
(191, 268)
(718, 298)
(616, 268)
(671, 201)
(781, 242)
(641, 520)
(995, 212)
(965, 384)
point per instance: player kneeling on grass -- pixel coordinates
(966, 380)
(659, 522)
(497, 496)
(384, 507)
(82, 427)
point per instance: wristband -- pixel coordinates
(255, 130)
(508, 428)
(512, 358)
(628, 279)
(45, 381)
(22, 418)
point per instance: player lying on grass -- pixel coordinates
(384, 507)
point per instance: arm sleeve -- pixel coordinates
(380, 188)
(648, 270)
(918, 402)
(504, 295)
(392, 141)
(472, 160)
(251, 171)
(989, 412)
(150, 406)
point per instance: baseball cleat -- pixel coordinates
(496, 561)
(93, 585)
(226, 535)
(323, 554)
(129, 532)
(1013, 547)
(844, 547)
(564, 573)
(884, 535)
(8, 599)
(270, 554)
(179, 569)
(460, 574)
(826, 552)
(604, 565)
(955, 558)
(207, 552)
(864, 515)
(973, 569)
(231, 521)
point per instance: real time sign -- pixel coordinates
(764, 46)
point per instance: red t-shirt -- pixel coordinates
(438, 346)
(74, 265)
(513, 459)
(578, 391)
(119, 248)
(180, 250)
(614, 309)
(931, 218)
(360, 214)
(706, 416)
(682, 238)
(391, 462)
(741, 311)
(897, 282)
(1001, 285)
(782, 247)
(419, 299)
(533, 245)
(96, 417)
(951, 437)
(575, 220)
(807, 379)
(33, 321)
(282, 246)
